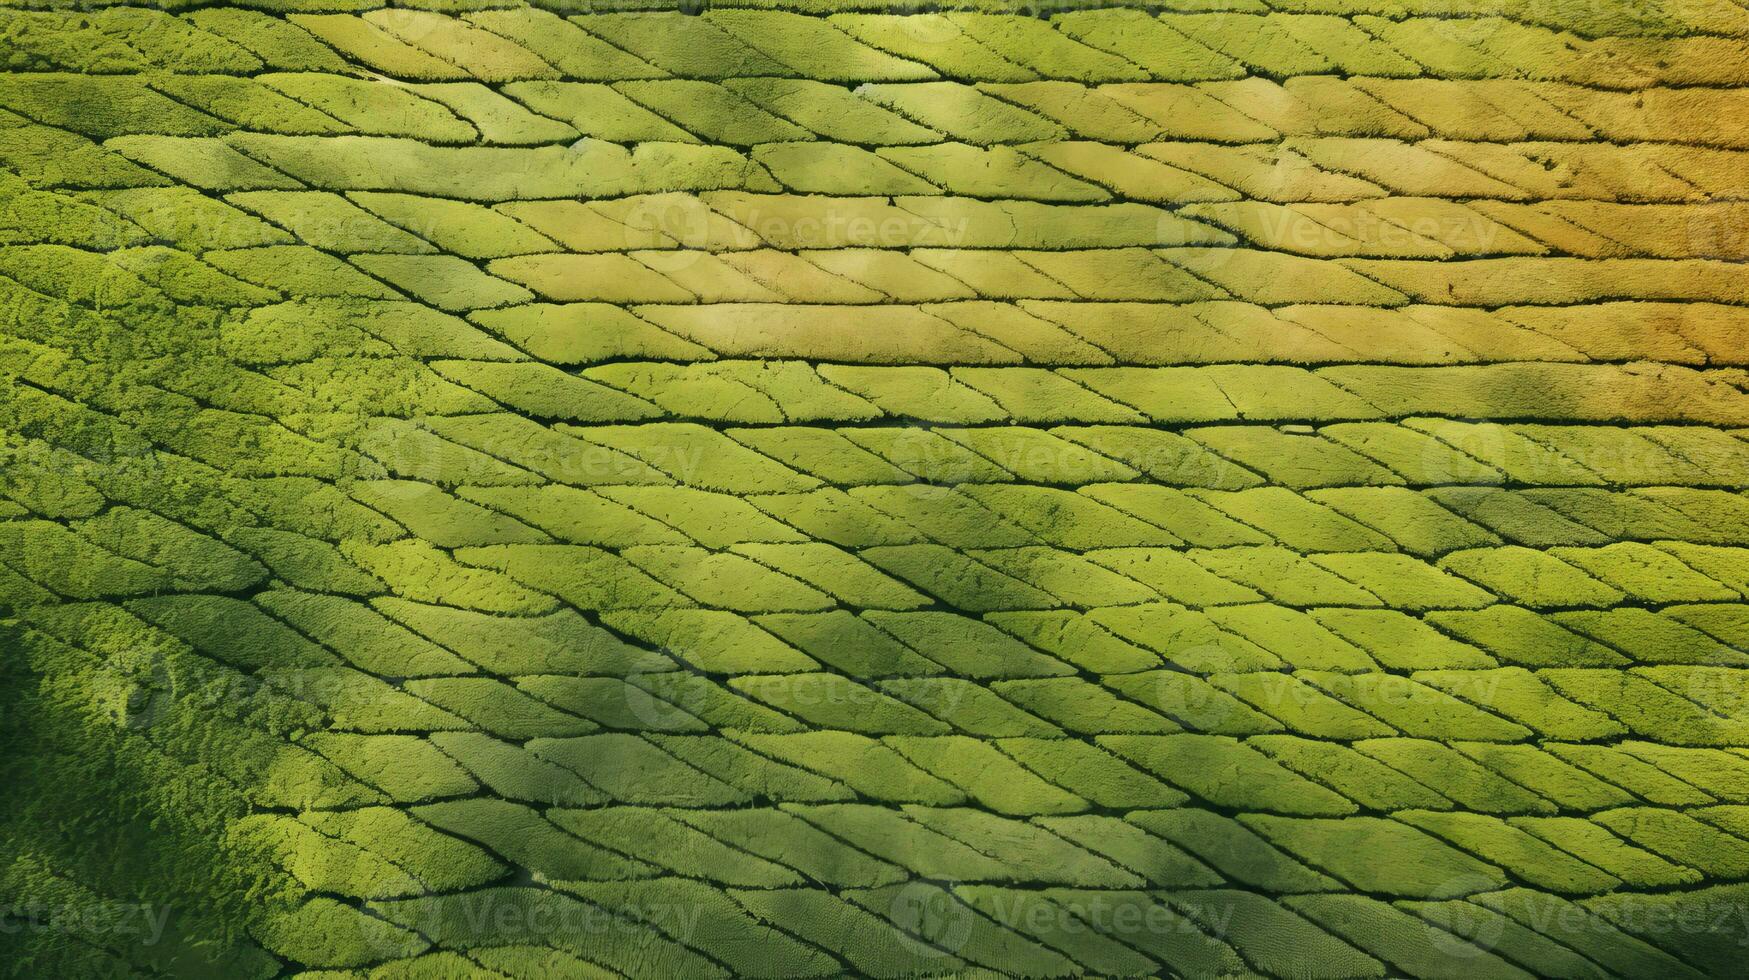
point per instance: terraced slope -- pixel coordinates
(1248, 488)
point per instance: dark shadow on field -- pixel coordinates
(97, 878)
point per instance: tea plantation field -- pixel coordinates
(815, 488)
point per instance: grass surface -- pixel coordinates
(815, 489)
